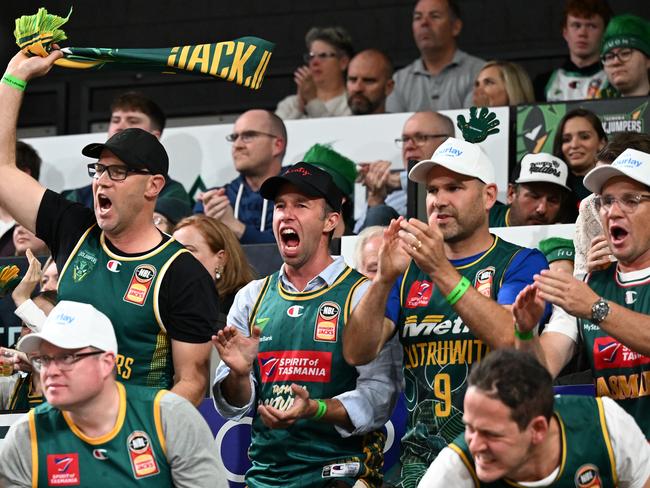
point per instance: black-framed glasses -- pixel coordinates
(307, 57)
(65, 361)
(115, 172)
(247, 135)
(622, 55)
(628, 202)
(418, 139)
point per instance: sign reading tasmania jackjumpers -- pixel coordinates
(536, 125)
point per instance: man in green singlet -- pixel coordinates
(95, 431)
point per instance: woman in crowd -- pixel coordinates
(219, 251)
(366, 251)
(502, 83)
(321, 82)
(578, 139)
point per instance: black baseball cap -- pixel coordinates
(136, 148)
(310, 180)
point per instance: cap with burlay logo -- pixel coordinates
(631, 163)
(458, 156)
(310, 180)
(73, 325)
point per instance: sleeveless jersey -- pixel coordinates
(499, 216)
(126, 290)
(620, 373)
(439, 350)
(301, 342)
(134, 451)
(22, 397)
(587, 456)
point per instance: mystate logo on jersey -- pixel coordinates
(295, 366)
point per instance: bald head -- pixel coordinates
(369, 82)
(423, 132)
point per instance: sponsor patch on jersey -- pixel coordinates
(143, 461)
(610, 354)
(295, 311)
(296, 366)
(341, 470)
(63, 469)
(140, 284)
(483, 281)
(327, 322)
(113, 265)
(419, 294)
(587, 476)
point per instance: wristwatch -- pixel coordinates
(599, 310)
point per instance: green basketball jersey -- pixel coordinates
(499, 216)
(619, 372)
(301, 342)
(126, 290)
(23, 397)
(587, 458)
(134, 451)
(439, 350)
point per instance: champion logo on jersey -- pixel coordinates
(295, 311)
(113, 266)
(63, 469)
(100, 454)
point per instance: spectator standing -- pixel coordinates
(581, 75)
(321, 82)
(443, 76)
(259, 142)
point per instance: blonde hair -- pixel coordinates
(236, 271)
(516, 80)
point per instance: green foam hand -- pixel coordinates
(479, 126)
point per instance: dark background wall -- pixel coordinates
(70, 101)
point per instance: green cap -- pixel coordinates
(557, 249)
(342, 170)
(627, 31)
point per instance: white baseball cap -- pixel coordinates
(459, 156)
(73, 325)
(631, 163)
(543, 168)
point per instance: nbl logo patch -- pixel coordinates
(327, 322)
(140, 284)
(419, 294)
(63, 469)
(143, 461)
(483, 281)
(587, 476)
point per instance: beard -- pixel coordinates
(361, 105)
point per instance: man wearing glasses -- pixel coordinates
(423, 132)
(608, 312)
(626, 56)
(94, 429)
(161, 299)
(259, 141)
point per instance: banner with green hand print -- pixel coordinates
(242, 61)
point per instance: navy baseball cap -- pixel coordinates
(310, 180)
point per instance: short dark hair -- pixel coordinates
(337, 36)
(136, 101)
(518, 380)
(454, 8)
(622, 141)
(591, 117)
(28, 160)
(586, 9)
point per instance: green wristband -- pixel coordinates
(322, 410)
(460, 289)
(523, 336)
(14, 82)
